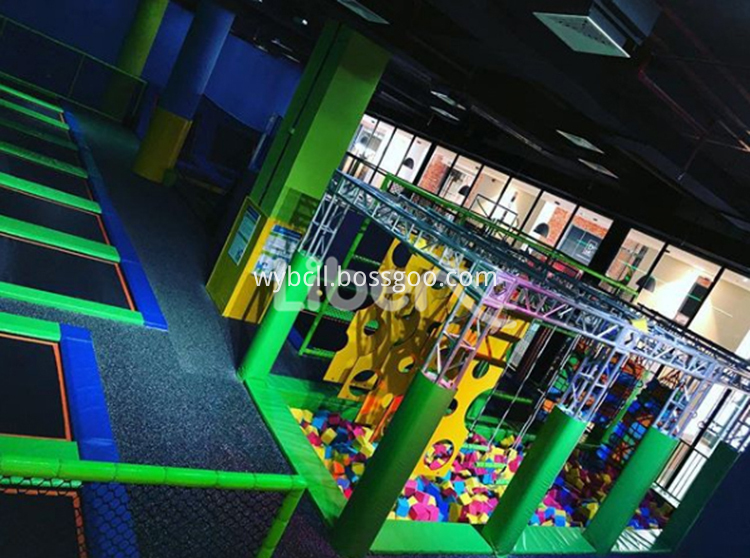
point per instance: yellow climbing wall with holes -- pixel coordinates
(373, 367)
(482, 375)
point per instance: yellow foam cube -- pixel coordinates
(328, 436)
(454, 512)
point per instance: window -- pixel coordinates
(584, 235)
(414, 158)
(516, 203)
(680, 282)
(396, 151)
(486, 193)
(437, 169)
(724, 317)
(635, 258)
(549, 218)
(460, 180)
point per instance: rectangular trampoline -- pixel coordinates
(43, 268)
(46, 213)
(14, 112)
(33, 400)
(41, 523)
(27, 170)
(61, 242)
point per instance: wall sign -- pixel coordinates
(243, 236)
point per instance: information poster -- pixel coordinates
(243, 236)
(278, 250)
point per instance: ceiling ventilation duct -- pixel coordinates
(605, 27)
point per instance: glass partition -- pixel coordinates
(724, 317)
(437, 169)
(516, 203)
(395, 153)
(485, 195)
(460, 180)
(584, 235)
(635, 258)
(548, 218)
(678, 285)
(413, 160)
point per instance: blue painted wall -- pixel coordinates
(247, 82)
(252, 85)
(94, 26)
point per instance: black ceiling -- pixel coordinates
(673, 120)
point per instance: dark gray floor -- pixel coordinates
(173, 397)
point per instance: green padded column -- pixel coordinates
(140, 38)
(324, 113)
(701, 490)
(557, 439)
(279, 318)
(643, 468)
(338, 82)
(399, 451)
(132, 57)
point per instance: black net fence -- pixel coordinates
(40, 518)
(52, 70)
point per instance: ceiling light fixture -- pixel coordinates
(447, 99)
(281, 45)
(363, 11)
(445, 114)
(542, 229)
(599, 168)
(579, 141)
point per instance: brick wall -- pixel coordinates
(434, 174)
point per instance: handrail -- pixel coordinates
(126, 473)
(103, 472)
(497, 227)
(72, 48)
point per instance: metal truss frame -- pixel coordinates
(560, 301)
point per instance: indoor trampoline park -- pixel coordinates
(349, 278)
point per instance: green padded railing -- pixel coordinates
(61, 474)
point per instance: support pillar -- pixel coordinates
(643, 468)
(701, 490)
(398, 453)
(132, 57)
(280, 317)
(326, 109)
(140, 38)
(556, 441)
(173, 116)
(608, 250)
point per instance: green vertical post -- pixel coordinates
(557, 439)
(279, 318)
(399, 451)
(701, 490)
(283, 517)
(643, 468)
(141, 35)
(326, 303)
(132, 57)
